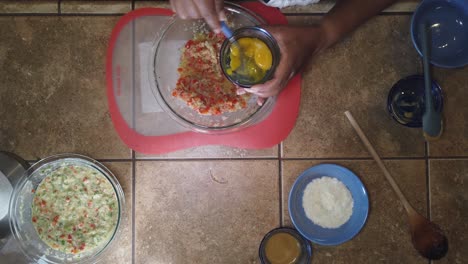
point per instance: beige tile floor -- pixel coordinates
(213, 204)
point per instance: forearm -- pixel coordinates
(347, 15)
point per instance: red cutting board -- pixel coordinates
(275, 128)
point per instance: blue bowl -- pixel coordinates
(329, 236)
(405, 101)
(448, 22)
(306, 249)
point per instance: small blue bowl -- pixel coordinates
(448, 22)
(329, 236)
(405, 101)
(306, 249)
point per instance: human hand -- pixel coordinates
(297, 45)
(210, 10)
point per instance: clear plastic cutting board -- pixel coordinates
(131, 69)
(138, 118)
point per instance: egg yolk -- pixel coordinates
(249, 58)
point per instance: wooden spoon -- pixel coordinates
(427, 237)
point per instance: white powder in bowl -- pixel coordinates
(327, 202)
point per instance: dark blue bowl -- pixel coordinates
(405, 101)
(316, 233)
(306, 248)
(448, 22)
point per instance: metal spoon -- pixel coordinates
(427, 237)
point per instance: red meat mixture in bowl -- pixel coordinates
(201, 82)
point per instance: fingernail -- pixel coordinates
(222, 16)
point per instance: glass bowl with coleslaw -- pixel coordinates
(67, 208)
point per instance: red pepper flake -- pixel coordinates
(90, 203)
(56, 218)
(93, 226)
(43, 203)
(67, 199)
(85, 179)
(73, 169)
(82, 246)
(34, 219)
(32, 191)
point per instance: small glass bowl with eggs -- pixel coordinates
(250, 56)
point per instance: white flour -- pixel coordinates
(327, 202)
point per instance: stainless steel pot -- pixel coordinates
(12, 168)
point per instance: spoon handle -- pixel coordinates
(226, 30)
(377, 159)
(431, 119)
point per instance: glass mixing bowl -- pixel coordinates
(20, 212)
(167, 52)
(250, 32)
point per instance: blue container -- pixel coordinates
(448, 23)
(405, 102)
(316, 233)
(305, 247)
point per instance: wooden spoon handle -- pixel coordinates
(377, 159)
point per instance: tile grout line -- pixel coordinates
(133, 152)
(356, 158)
(428, 181)
(133, 205)
(114, 160)
(133, 4)
(205, 159)
(269, 158)
(275, 158)
(133, 77)
(428, 184)
(448, 157)
(59, 7)
(280, 184)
